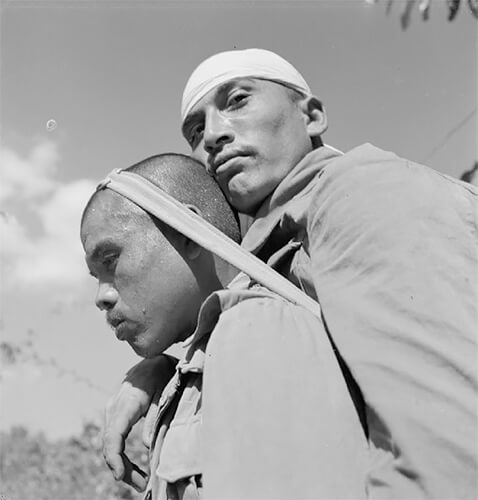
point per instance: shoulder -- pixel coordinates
(361, 165)
(252, 310)
(267, 322)
(368, 183)
(240, 310)
(369, 167)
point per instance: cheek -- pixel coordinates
(163, 283)
(274, 123)
(276, 138)
(133, 282)
(288, 144)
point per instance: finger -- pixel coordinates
(113, 447)
(121, 414)
(114, 461)
(133, 475)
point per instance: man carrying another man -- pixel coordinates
(157, 288)
(389, 248)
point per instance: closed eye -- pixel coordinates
(109, 262)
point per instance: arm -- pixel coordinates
(278, 421)
(124, 409)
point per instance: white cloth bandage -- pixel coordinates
(248, 63)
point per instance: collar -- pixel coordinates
(241, 288)
(296, 184)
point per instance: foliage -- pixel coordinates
(424, 7)
(33, 467)
(471, 175)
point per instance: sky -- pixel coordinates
(87, 86)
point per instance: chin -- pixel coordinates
(145, 350)
(242, 202)
(246, 199)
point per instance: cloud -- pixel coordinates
(46, 256)
(29, 177)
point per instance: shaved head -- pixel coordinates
(152, 279)
(186, 180)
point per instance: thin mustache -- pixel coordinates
(113, 320)
(220, 159)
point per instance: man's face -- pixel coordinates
(148, 291)
(249, 133)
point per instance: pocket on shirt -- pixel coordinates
(180, 455)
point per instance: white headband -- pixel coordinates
(252, 63)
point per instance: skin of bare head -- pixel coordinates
(250, 133)
(152, 280)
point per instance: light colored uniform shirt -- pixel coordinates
(258, 408)
(390, 250)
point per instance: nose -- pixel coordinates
(217, 132)
(106, 296)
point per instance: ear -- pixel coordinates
(315, 115)
(191, 248)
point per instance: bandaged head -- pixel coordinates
(248, 63)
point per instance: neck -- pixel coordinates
(207, 276)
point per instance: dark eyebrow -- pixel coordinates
(101, 247)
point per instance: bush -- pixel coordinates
(33, 467)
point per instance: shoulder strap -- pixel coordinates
(163, 206)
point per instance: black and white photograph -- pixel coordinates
(238, 250)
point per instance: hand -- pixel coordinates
(123, 411)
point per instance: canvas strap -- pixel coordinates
(163, 206)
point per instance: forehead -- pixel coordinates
(109, 217)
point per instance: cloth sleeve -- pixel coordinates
(278, 421)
